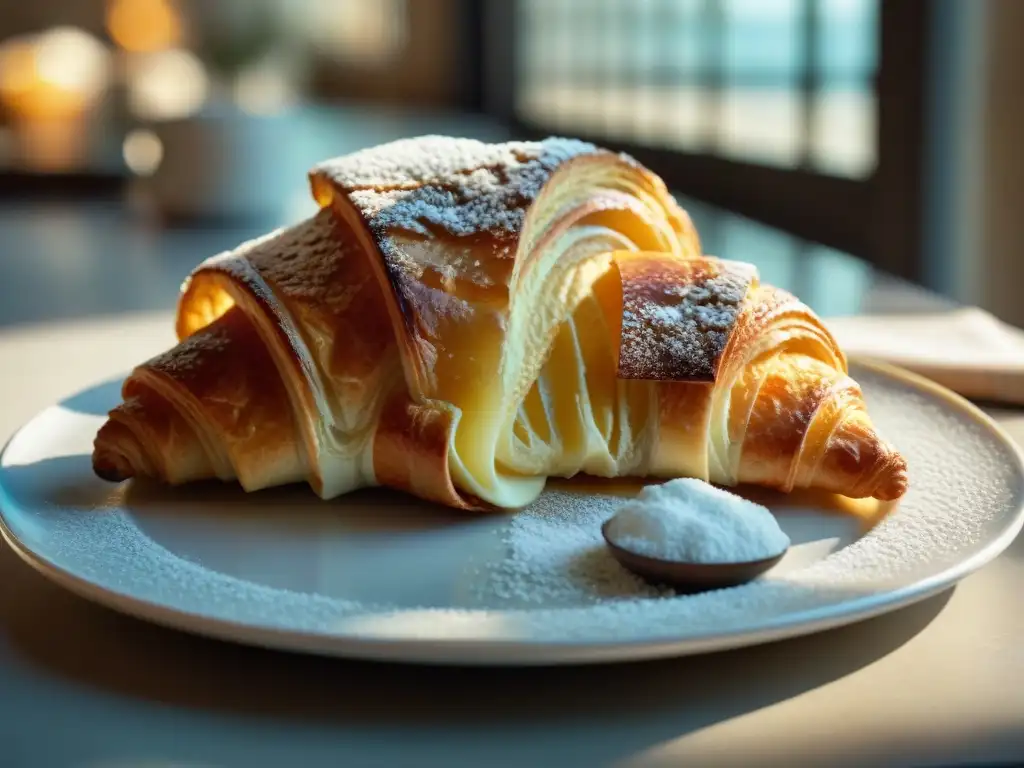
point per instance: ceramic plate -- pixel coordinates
(380, 575)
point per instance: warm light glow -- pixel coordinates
(363, 32)
(144, 26)
(167, 85)
(263, 90)
(143, 152)
(431, 624)
(51, 145)
(57, 74)
(17, 67)
(72, 60)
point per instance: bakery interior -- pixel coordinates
(866, 155)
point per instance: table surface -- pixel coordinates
(86, 292)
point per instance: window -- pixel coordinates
(779, 82)
(805, 114)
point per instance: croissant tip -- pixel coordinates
(109, 463)
(895, 482)
(111, 466)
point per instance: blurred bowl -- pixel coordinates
(220, 164)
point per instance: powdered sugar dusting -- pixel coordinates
(555, 556)
(677, 318)
(315, 263)
(185, 361)
(414, 162)
(446, 207)
(440, 186)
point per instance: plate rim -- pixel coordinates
(527, 652)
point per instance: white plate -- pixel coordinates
(379, 575)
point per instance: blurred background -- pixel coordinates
(845, 146)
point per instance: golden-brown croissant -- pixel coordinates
(464, 320)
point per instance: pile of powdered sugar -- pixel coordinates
(688, 520)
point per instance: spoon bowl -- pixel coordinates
(689, 577)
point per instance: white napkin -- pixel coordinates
(968, 350)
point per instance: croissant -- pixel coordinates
(462, 320)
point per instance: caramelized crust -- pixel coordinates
(442, 219)
(212, 406)
(678, 315)
(241, 402)
(411, 451)
(791, 392)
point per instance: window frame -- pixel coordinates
(878, 218)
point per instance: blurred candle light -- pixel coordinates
(144, 26)
(264, 90)
(49, 83)
(18, 75)
(166, 85)
(59, 73)
(73, 60)
(143, 152)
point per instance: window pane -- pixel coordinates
(763, 41)
(584, 106)
(539, 60)
(681, 37)
(848, 40)
(645, 45)
(843, 132)
(755, 80)
(674, 116)
(672, 106)
(761, 104)
(843, 118)
(761, 125)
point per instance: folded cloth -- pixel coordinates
(968, 350)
